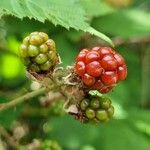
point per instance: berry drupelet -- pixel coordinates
(39, 52)
(100, 68)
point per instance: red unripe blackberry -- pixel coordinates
(39, 51)
(100, 68)
(88, 80)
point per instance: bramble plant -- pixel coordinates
(74, 74)
(99, 69)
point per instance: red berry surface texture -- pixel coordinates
(100, 68)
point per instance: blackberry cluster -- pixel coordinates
(96, 109)
(39, 52)
(100, 68)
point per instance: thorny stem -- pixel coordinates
(21, 99)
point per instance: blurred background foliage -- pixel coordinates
(127, 22)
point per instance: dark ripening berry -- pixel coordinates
(90, 113)
(109, 78)
(108, 62)
(122, 72)
(94, 69)
(80, 68)
(92, 56)
(101, 115)
(88, 80)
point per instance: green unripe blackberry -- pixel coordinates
(38, 52)
(95, 109)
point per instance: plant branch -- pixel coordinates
(21, 99)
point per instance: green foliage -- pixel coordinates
(96, 8)
(125, 23)
(58, 12)
(130, 128)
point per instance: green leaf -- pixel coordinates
(67, 13)
(105, 136)
(125, 23)
(95, 8)
(9, 115)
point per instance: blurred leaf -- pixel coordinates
(10, 115)
(95, 8)
(11, 66)
(66, 50)
(74, 135)
(146, 77)
(128, 92)
(125, 23)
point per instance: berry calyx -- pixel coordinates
(39, 52)
(100, 68)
